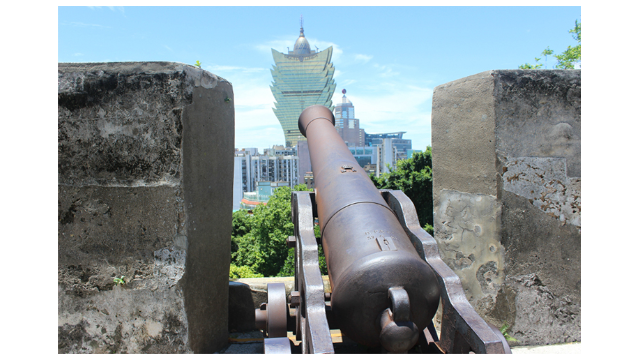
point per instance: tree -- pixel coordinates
(241, 225)
(530, 66)
(264, 248)
(288, 269)
(413, 177)
(259, 241)
(546, 52)
(568, 58)
(573, 54)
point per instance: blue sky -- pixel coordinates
(389, 59)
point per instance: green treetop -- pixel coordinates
(568, 58)
(413, 177)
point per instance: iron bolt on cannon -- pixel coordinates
(386, 275)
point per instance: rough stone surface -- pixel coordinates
(544, 182)
(471, 244)
(122, 320)
(507, 197)
(462, 136)
(140, 146)
(543, 107)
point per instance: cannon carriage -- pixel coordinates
(387, 278)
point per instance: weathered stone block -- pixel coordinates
(506, 187)
(145, 159)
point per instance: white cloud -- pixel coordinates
(116, 8)
(168, 48)
(347, 82)
(218, 68)
(261, 138)
(112, 8)
(385, 70)
(255, 123)
(78, 54)
(396, 102)
(322, 45)
(363, 58)
(253, 95)
(279, 45)
(398, 107)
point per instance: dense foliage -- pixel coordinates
(413, 177)
(259, 241)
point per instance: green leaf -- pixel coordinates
(509, 338)
(503, 330)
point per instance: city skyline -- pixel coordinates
(388, 58)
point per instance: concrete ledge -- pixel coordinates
(572, 348)
(245, 295)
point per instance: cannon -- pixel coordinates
(387, 278)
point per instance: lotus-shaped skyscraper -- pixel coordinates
(301, 78)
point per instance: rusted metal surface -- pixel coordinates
(311, 326)
(366, 249)
(398, 334)
(277, 310)
(279, 345)
(386, 274)
(463, 330)
(261, 317)
(273, 318)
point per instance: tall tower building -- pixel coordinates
(301, 78)
(346, 124)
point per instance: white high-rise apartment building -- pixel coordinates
(251, 167)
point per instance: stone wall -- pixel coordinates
(507, 204)
(145, 159)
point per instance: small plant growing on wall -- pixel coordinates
(198, 64)
(119, 281)
(507, 337)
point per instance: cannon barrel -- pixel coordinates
(377, 277)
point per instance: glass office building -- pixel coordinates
(301, 78)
